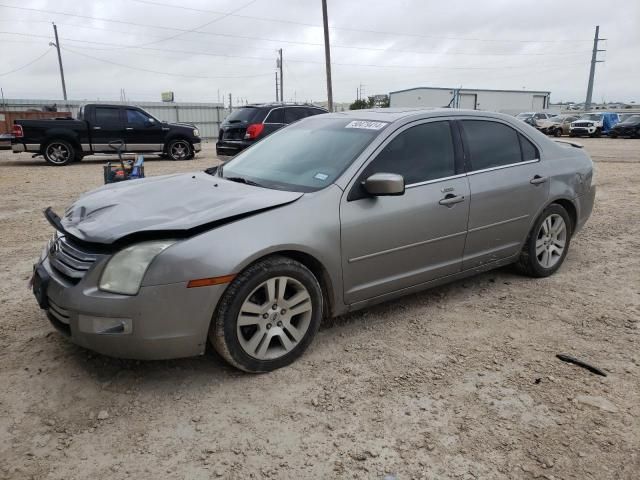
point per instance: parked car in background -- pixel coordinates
(593, 124)
(329, 215)
(629, 127)
(557, 125)
(64, 140)
(532, 118)
(248, 124)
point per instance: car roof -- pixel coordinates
(281, 104)
(397, 114)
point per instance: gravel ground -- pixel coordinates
(456, 382)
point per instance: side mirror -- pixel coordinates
(151, 122)
(384, 184)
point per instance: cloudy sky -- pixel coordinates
(203, 49)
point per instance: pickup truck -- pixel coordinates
(63, 140)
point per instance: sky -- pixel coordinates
(205, 49)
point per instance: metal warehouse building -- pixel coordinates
(505, 101)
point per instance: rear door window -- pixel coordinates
(276, 116)
(491, 144)
(292, 114)
(107, 116)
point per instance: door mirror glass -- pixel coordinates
(151, 122)
(384, 184)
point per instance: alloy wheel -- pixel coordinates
(179, 150)
(551, 240)
(58, 153)
(274, 318)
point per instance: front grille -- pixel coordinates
(582, 124)
(70, 260)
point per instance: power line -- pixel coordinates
(118, 45)
(316, 62)
(203, 25)
(160, 72)
(291, 42)
(377, 32)
(26, 64)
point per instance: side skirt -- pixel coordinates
(432, 283)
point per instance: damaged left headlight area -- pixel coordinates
(125, 270)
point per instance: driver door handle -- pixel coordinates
(537, 180)
(451, 199)
(128, 128)
(97, 128)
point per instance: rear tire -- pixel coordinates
(59, 153)
(268, 315)
(547, 244)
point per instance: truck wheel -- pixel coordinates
(59, 153)
(179, 150)
(268, 315)
(557, 132)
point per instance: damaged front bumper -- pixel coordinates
(160, 322)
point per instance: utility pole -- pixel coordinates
(279, 62)
(57, 45)
(327, 55)
(592, 71)
(277, 95)
(230, 106)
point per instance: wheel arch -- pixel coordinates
(64, 136)
(315, 266)
(176, 136)
(571, 209)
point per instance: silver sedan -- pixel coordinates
(334, 213)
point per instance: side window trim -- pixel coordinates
(352, 187)
(465, 146)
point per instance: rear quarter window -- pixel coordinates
(276, 116)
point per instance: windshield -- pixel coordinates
(591, 116)
(632, 119)
(304, 157)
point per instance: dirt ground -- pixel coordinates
(457, 382)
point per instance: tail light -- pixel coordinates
(253, 131)
(17, 131)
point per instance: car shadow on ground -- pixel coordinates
(210, 367)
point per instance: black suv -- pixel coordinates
(248, 124)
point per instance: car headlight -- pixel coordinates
(196, 132)
(125, 270)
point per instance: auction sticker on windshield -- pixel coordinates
(367, 125)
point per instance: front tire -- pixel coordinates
(179, 149)
(548, 242)
(59, 153)
(557, 132)
(268, 315)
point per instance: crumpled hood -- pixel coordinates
(175, 204)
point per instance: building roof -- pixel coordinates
(470, 90)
